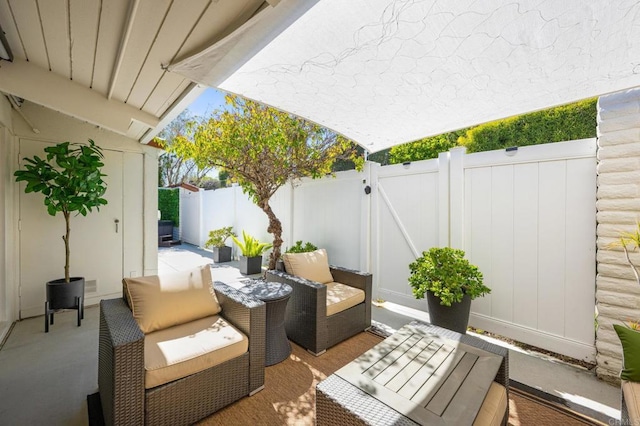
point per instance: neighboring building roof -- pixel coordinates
(186, 186)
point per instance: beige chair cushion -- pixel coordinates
(313, 266)
(341, 297)
(186, 349)
(631, 391)
(494, 406)
(162, 301)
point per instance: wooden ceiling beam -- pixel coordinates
(53, 91)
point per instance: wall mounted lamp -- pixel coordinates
(5, 50)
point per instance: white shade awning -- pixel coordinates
(387, 72)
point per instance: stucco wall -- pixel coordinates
(617, 294)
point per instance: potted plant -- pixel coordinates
(70, 179)
(252, 249)
(298, 247)
(217, 239)
(450, 282)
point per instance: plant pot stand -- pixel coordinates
(63, 295)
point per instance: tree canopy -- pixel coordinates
(261, 149)
(173, 169)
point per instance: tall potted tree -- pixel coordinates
(70, 179)
(450, 282)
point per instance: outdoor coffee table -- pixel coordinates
(422, 374)
(275, 296)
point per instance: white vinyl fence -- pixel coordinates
(525, 217)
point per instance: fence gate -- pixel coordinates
(527, 218)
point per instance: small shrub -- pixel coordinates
(446, 273)
(298, 247)
(218, 237)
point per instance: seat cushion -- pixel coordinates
(313, 266)
(341, 297)
(631, 391)
(494, 406)
(185, 349)
(162, 301)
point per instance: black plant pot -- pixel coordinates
(63, 295)
(250, 265)
(222, 254)
(454, 317)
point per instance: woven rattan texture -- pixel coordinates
(121, 368)
(278, 347)
(120, 364)
(249, 316)
(340, 403)
(306, 318)
(194, 397)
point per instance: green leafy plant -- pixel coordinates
(251, 246)
(70, 179)
(218, 237)
(169, 204)
(299, 247)
(446, 273)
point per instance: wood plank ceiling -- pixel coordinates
(113, 50)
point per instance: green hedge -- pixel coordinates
(169, 204)
(564, 123)
(423, 149)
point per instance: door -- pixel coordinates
(95, 240)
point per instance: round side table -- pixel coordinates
(275, 296)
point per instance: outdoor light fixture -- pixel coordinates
(5, 50)
(512, 150)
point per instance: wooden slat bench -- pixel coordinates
(422, 374)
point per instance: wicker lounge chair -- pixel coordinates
(306, 320)
(121, 365)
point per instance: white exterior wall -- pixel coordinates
(138, 221)
(618, 294)
(8, 292)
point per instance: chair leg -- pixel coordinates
(46, 317)
(79, 305)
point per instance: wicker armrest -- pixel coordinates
(353, 278)
(310, 295)
(120, 364)
(249, 316)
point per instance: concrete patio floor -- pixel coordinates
(553, 376)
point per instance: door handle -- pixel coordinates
(116, 222)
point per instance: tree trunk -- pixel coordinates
(275, 228)
(65, 237)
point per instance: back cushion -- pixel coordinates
(162, 301)
(313, 266)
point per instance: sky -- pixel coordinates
(210, 100)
